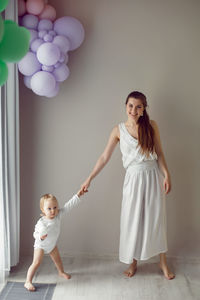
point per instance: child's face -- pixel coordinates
(50, 208)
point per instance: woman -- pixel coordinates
(147, 179)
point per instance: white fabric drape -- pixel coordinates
(9, 165)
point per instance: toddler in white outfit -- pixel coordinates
(46, 234)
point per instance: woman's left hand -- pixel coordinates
(167, 185)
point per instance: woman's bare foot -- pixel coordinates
(130, 272)
(64, 275)
(167, 273)
(29, 286)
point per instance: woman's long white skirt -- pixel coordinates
(143, 231)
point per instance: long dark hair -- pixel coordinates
(145, 130)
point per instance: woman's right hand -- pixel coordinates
(85, 185)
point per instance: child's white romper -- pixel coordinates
(51, 227)
(143, 217)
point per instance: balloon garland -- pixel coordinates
(44, 66)
(14, 43)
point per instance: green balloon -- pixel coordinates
(15, 42)
(3, 72)
(1, 27)
(3, 4)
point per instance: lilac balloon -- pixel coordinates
(72, 29)
(52, 32)
(61, 73)
(42, 33)
(48, 54)
(48, 68)
(34, 35)
(30, 21)
(45, 25)
(62, 42)
(58, 64)
(54, 92)
(48, 38)
(36, 44)
(29, 64)
(27, 81)
(43, 83)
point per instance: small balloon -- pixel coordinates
(48, 54)
(42, 83)
(42, 33)
(61, 73)
(29, 64)
(15, 42)
(48, 38)
(48, 12)
(3, 72)
(30, 21)
(47, 68)
(35, 7)
(45, 25)
(72, 29)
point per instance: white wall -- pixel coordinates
(152, 46)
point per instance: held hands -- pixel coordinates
(167, 185)
(85, 185)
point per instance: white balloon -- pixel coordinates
(48, 54)
(42, 83)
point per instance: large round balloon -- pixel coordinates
(30, 21)
(15, 42)
(29, 64)
(35, 7)
(43, 83)
(48, 12)
(3, 72)
(70, 28)
(48, 54)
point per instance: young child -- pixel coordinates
(46, 234)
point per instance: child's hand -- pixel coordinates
(80, 193)
(43, 237)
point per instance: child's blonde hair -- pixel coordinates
(44, 198)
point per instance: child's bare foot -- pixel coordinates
(167, 273)
(64, 275)
(131, 270)
(29, 286)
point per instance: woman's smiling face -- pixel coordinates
(134, 108)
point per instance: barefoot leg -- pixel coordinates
(131, 269)
(37, 259)
(164, 267)
(55, 256)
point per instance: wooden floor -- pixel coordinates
(103, 279)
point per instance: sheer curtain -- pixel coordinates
(9, 165)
